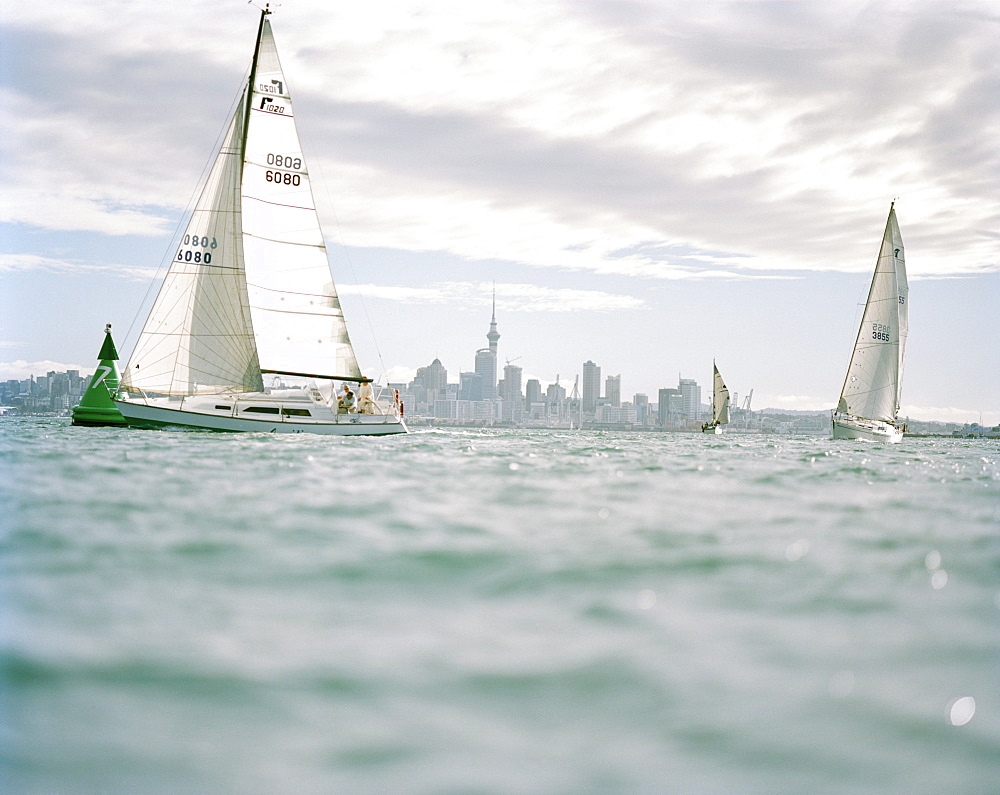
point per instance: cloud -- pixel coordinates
(35, 262)
(767, 136)
(22, 370)
(511, 297)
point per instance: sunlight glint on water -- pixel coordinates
(497, 611)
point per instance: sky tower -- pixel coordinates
(486, 358)
(494, 336)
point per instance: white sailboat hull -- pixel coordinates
(848, 427)
(234, 417)
(713, 429)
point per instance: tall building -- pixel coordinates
(555, 393)
(691, 394)
(513, 400)
(641, 403)
(486, 358)
(591, 386)
(486, 369)
(613, 389)
(669, 406)
(532, 392)
(433, 376)
(470, 386)
(512, 383)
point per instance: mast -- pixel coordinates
(715, 389)
(253, 77)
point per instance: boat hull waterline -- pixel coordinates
(865, 430)
(144, 415)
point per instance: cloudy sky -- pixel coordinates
(650, 185)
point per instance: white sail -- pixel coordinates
(872, 387)
(297, 319)
(249, 289)
(720, 399)
(198, 337)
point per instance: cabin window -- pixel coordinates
(223, 408)
(261, 410)
(296, 412)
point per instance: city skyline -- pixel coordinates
(649, 185)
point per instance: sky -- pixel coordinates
(649, 185)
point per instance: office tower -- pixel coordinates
(486, 369)
(591, 386)
(532, 392)
(433, 376)
(670, 405)
(470, 386)
(513, 400)
(691, 394)
(641, 403)
(613, 390)
(555, 393)
(512, 383)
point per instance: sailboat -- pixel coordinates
(720, 404)
(249, 298)
(869, 402)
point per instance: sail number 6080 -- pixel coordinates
(282, 177)
(284, 161)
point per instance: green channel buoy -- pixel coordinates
(96, 407)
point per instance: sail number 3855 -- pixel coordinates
(880, 332)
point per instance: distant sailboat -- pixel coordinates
(249, 294)
(869, 402)
(720, 404)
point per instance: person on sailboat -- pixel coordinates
(366, 405)
(346, 402)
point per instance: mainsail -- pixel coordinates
(249, 290)
(872, 387)
(720, 399)
(297, 319)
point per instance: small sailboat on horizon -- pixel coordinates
(869, 400)
(720, 404)
(249, 295)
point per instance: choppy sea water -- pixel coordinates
(496, 611)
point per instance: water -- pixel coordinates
(497, 611)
